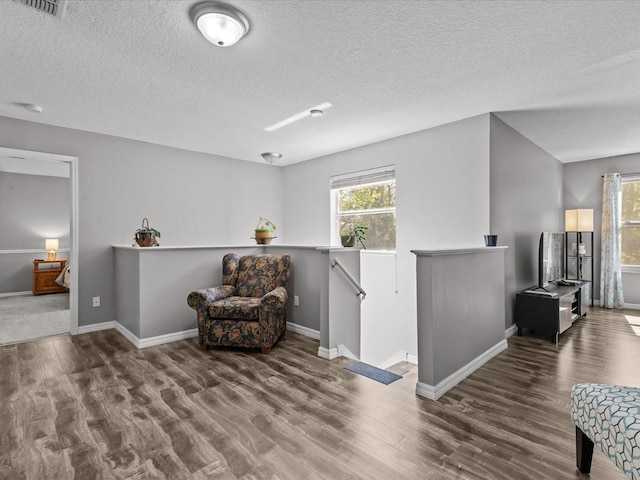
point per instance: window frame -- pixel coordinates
(633, 178)
(359, 179)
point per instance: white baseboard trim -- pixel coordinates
(16, 294)
(126, 334)
(511, 331)
(628, 306)
(328, 353)
(141, 343)
(401, 356)
(302, 330)
(435, 392)
(168, 338)
(95, 327)
(425, 390)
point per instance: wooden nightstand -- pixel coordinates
(44, 279)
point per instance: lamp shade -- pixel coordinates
(51, 244)
(578, 220)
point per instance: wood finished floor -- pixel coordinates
(94, 407)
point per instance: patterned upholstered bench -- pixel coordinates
(607, 416)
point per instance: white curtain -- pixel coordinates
(610, 274)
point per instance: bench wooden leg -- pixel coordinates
(204, 347)
(584, 451)
(266, 350)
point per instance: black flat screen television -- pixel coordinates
(550, 258)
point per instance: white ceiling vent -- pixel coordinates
(52, 7)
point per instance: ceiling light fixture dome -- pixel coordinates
(221, 24)
(271, 157)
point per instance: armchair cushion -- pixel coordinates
(240, 308)
(260, 274)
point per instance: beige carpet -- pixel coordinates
(29, 317)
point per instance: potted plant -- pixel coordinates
(264, 231)
(146, 236)
(353, 235)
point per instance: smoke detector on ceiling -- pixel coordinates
(51, 7)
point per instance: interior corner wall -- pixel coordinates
(191, 198)
(442, 185)
(583, 189)
(526, 200)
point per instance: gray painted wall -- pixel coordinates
(442, 179)
(582, 188)
(32, 208)
(344, 305)
(526, 200)
(460, 310)
(306, 266)
(192, 198)
(16, 270)
(152, 284)
(127, 289)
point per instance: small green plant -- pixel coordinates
(359, 232)
(265, 225)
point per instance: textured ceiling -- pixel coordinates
(566, 74)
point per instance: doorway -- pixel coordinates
(72, 162)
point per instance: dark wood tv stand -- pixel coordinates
(550, 315)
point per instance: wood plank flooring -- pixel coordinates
(94, 407)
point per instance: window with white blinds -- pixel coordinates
(630, 221)
(366, 198)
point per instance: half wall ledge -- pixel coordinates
(461, 314)
(152, 285)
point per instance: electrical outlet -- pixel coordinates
(296, 301)
(96, 301)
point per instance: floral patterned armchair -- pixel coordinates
(249, 309)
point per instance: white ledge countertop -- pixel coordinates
(457, 251)
(205, 247)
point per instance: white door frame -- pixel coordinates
(73, 235)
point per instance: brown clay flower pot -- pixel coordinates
(146, 239)
(263, 237)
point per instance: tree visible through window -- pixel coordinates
(630, 222)
(372, 205)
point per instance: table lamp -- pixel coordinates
(51, 245)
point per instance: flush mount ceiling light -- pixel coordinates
(221, 24)
(313, 111)
(271, 157)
